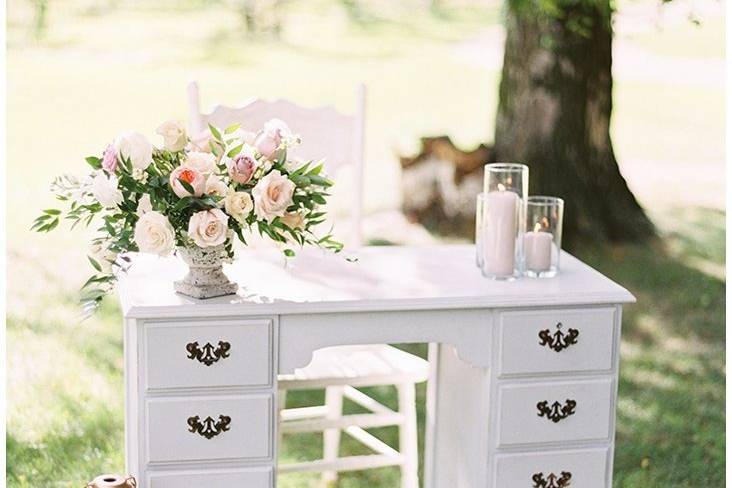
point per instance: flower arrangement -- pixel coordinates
(201, 192)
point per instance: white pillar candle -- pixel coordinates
(499, 233)
(538, 250)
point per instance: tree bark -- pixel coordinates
(555, 103)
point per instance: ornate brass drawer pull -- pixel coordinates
(558, 340)
(556, 411)
(208, 354)
(209, 428)
(552, 480)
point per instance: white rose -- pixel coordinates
(208, 228)
(154, 234)
(136, 148)
(238, 205)
(104, 188)
(272, 195)
(203, 162)
(144, 205)
(104, 256)
(216, 186)
(174, 135)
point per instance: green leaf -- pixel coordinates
(187, 186)
(289, 253)
(316, 170)
(94, 162)
(232, 128)
(214, 132)
(320, 181)
(52, 211)
(94, 263)
(235, 151)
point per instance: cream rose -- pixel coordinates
(191, 176)
(201, 161)
(272, 195)
(208, 228)
(293, 220)
(154, 234)
(215, 186)
(174, 135)
(135, 147)
(238, 205)
(104, 188)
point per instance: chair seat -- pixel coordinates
(357, 366)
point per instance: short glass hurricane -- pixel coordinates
(542, 241)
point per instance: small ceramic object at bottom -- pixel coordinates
(112, 481)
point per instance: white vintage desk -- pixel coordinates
(527, 401)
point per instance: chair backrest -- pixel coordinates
(326, 133)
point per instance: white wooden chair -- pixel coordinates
(339, 370)
(326, 133)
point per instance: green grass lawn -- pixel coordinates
(99, 71)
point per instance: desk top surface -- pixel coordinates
(382, 279)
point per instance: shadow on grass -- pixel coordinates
(671, 414)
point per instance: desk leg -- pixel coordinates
(457, 422)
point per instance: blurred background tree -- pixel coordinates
(555, 104)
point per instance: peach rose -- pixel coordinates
(191, 176)
(272, 195)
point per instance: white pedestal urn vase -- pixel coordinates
(205, 278)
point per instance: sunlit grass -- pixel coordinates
(102, 70)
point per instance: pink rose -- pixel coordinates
(191, 176)
(269, 140)
(242, 166)
(109, 160)
(267, 144)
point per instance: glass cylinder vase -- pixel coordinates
(479, 203)
(505, 188)
(542, 242)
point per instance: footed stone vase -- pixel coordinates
(205, 278)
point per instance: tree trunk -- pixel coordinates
(555, 102)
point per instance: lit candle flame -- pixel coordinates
(501, 187)
(545, 222)
(537, 227)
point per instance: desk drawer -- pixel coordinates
(537, 413)
(583, 469)
(240, 478)
(553, 341)
(209, 428)
(208, 354)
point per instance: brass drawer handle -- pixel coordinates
(209, 428)
(556, 411)
(208, 354)
(552, 480)
(558, 340)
